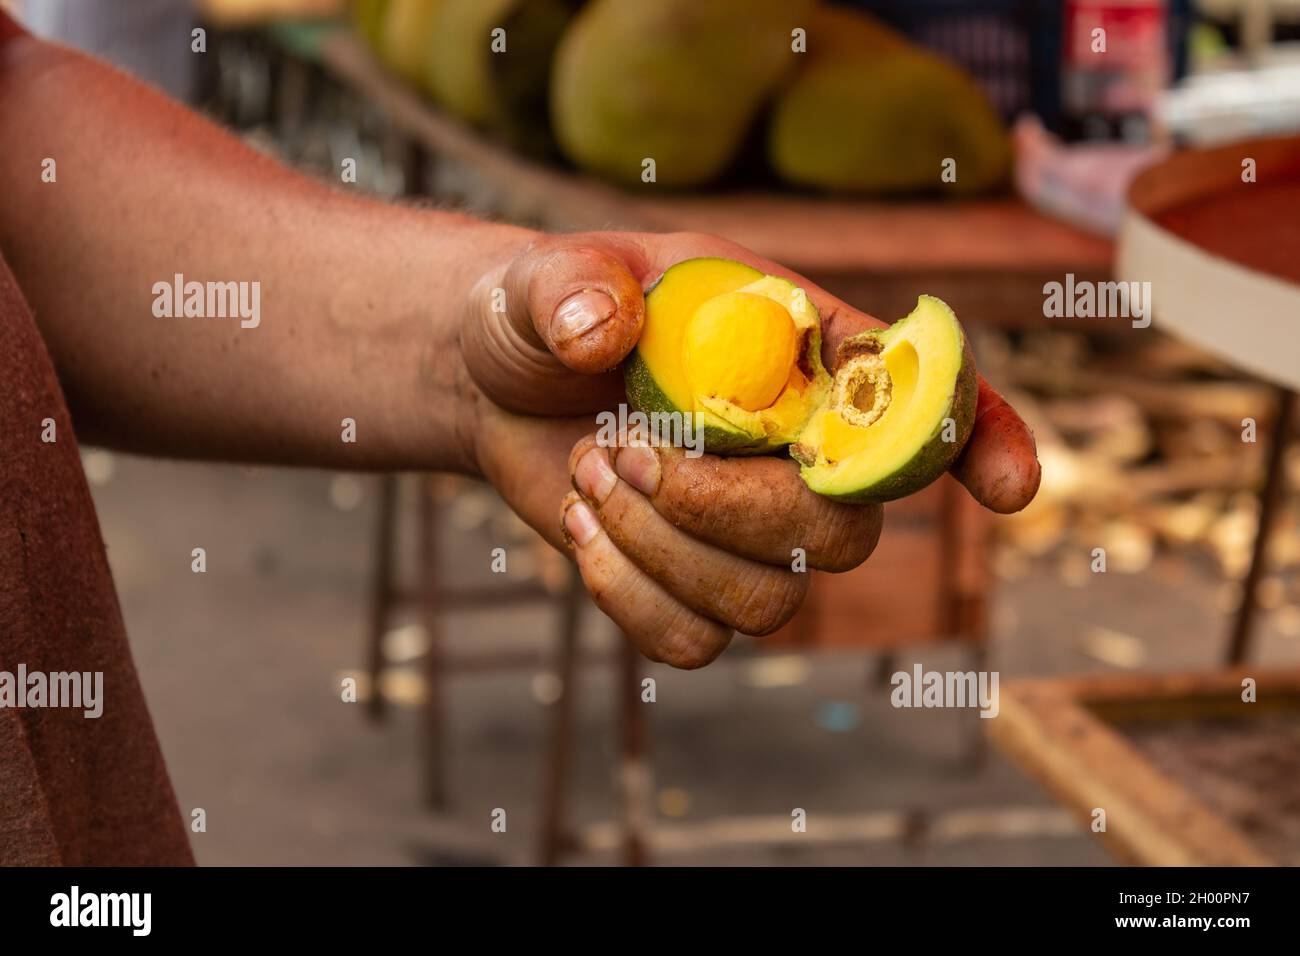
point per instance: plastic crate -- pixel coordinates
(1012, 47)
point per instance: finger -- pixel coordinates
(758, 508)
(582, 302)
(999, 465)
(658, 625)
(750, 597)
(561, 306)
(524, 459)
(839, 322)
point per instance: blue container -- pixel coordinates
(1013, 47)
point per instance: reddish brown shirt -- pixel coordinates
(73, 790)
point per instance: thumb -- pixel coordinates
(559, 308)
(582, 301)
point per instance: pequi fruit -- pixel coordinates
(368, 21)
(884, 119)
(836, 31)
(740, 349)
(497, 80)
(743, 351)
(900, 411)
(406, 32)
(679, 82)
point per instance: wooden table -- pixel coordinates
(1070, 734)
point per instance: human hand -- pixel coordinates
(679, 552)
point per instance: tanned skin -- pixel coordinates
(384, 315)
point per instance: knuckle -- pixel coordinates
(583, 445)
(840, 537)
(688, 491)
(543, 246)
(566, 502)
(629, 520)
(773, 598)
(608, 581)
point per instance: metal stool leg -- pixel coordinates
(1271, 494)
(634, 767)
(381, 591)
(554, 837)
(435, 792)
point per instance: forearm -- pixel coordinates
(358, 302)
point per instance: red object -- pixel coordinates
(74, 790)
(1115, 58)
(1256, 225)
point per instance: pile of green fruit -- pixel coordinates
(487, 62)
(831, 98)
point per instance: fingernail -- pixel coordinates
(638, 465)
(580, 521)
(580, 313)
(594, 477)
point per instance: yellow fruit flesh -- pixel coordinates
(892, 420)
(920, 393)
(675, 300)
(740, 347)
(789, 406)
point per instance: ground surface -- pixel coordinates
(242, 664)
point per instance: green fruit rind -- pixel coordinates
(935, 457)
(645, 395)
(723, 433)
(731, 431)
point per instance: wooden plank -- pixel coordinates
(1096, 689)
(817, 236)
(1141, 697)
(1051, 728)
(829, 236)
(905, 825)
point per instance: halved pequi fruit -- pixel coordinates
(900, 411)
(743, 351)
(740, 349)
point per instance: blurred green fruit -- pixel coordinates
(407, 30)
(887, 120)
(489, 63)
(679, 82)
(368, 21)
